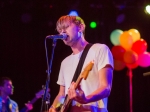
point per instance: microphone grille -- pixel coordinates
(64, 35)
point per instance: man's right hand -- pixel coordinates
(52, 109)
(29, 106)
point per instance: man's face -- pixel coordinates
(72, 32)
(7, 88)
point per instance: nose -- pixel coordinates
(63, 31)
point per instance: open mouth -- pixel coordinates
(67, 38)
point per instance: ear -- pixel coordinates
(81, 27)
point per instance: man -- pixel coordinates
(6, 89)
(92, 94)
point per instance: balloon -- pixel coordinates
(144, 59)
(135, 34)
(119, 65)
(126, 40)
(130, 57)
(114, 36)
(140, 46)
(118, 52)
(132, 66)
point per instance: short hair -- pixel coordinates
(3, 79)
(64, 21)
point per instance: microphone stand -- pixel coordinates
(46, 96)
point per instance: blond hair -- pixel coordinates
(64, 22)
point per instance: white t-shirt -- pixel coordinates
(101, 55)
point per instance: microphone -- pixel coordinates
(62, 36)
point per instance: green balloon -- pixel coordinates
(114, 36)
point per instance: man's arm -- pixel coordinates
(58, 99)
(105, 78)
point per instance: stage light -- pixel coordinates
(73, 13)
(93, 24)
(147, 9)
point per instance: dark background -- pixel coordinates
(25, 24)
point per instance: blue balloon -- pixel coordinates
(115, 36)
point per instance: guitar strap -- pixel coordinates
(81, 61)
(78, 70)
(79, 67)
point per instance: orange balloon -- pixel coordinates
(135, 34)
(126, 40)
(119, 65)
(130, 57)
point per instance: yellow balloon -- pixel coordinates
(126, 40)
(135, 34)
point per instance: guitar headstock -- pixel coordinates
(86, 70)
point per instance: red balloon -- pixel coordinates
(140, 46)
(118, 52)
(132, 66)
(119, 65)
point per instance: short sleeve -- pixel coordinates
(104, 57)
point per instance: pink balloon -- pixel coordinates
(144, 59)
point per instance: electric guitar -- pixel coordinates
(37, 96)
(65, 106)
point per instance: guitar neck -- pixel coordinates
(33, 100)
(78, 82)
(25, 109)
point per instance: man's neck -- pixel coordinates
(79, 46)
(4, 97)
